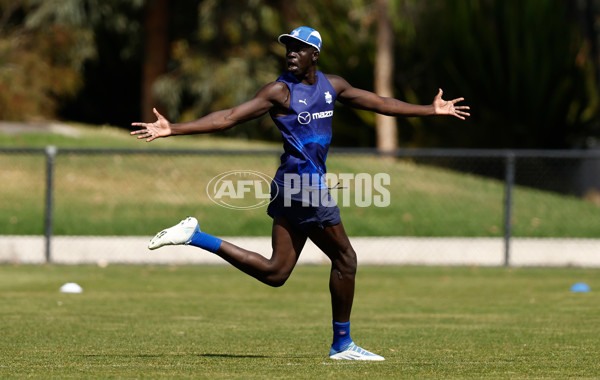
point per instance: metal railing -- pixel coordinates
(503, 168)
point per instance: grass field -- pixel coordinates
(140, 194)
(214, 322)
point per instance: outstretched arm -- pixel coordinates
(370, 101)
(272, 94)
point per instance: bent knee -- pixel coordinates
(277, 275)
(277, 279)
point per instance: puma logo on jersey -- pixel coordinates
(303, 101)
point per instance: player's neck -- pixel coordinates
(309, 78)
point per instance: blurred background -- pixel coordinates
(74, 74)
(530, 70)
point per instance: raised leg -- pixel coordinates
(287, 245)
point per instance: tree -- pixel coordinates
(523, 66)
(230, 55)
(48, 48)
(43, 46)
(156, 52)
(385, 126)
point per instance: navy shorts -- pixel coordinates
(303, 217)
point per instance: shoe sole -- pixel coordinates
(359, 358)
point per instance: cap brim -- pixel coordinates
(282, 40)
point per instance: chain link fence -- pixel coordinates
(410, 206)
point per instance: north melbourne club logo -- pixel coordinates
(328, 97)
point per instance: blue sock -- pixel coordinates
(341, 336)
(205, 241)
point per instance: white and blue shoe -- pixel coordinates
(178, 234)
(353, 352)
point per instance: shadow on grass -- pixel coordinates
(233, 356)
(124, 355)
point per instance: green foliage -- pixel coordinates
(236, 53)
(37, 67)
(44, 46)
(230, 57)
(212, 322)
(523, 66)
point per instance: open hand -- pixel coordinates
(160, 128)
(447, 107)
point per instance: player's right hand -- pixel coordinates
(150, 131)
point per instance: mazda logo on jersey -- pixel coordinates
(322, 115)
(304, 117)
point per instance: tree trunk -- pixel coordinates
(156, 53)
(387, 135)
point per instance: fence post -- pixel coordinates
(50, 155)
(508, 200)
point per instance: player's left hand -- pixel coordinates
(447, 107)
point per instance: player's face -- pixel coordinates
(300, 57)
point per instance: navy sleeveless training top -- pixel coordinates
(306, 133)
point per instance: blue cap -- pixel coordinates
(305, 34)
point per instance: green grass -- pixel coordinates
(140, 194)
(105, 136)
(215, 322)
